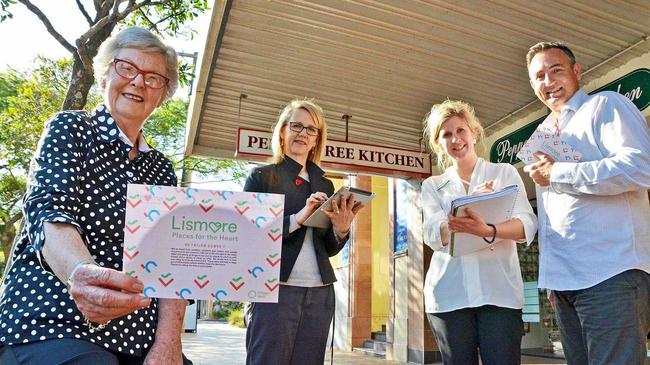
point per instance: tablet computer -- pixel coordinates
(318, 219)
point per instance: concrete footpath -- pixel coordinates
(219, 343)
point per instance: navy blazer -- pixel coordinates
(282, 178)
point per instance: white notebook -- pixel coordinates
(318, 219)
(494, 207)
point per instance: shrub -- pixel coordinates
(236, 318)
(222, 310)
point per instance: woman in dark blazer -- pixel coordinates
(294, 330)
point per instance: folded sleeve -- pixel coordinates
(53, 182)
(434, 216)
(622, 137)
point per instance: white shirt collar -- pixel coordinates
(142, 142)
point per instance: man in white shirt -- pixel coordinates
(594, 216)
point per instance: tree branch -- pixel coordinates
(104, 8)
(146, 18)
(13, 203)
(84, 12)
(98, 6)
(113, 17)
(14, 218)
(43, 18)
(167, 17)
(108, 20)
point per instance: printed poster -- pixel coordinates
(546, 140)
(204, 244)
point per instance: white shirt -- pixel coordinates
(594, 218)
(482, 277)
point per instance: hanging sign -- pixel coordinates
(345, 156)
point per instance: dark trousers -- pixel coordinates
(606, 324)
(294, 330)
(492, 331)
(66, 351)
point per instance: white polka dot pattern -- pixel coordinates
(78, 176)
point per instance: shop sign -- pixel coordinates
(505, 149)
(345, 156)
(634, 86)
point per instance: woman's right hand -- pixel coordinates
(486, 187)
(103, 294)
(312, 203)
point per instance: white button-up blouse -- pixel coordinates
(484, 277)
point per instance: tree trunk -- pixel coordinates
(81, 81)
(82, 77)
(7, 238)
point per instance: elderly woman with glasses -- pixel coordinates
(294, 330)
(65, 299)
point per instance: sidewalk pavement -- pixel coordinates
(217, 342)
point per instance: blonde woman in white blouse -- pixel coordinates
(473, 302)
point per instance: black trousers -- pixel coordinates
(66, 351)
(294, 330)
(494, 332)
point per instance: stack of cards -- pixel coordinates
(545, 139)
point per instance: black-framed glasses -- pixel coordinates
(298, 127)
(130, 71)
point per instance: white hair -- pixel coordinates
(141, 39)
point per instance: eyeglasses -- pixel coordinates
(130, 71)
(298, 127)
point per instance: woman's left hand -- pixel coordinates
(165, 353)
(472, 224)
(343, 213)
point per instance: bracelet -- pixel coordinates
(92, 327)
(494, 234)
(70, 281)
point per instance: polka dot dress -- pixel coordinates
(78, 176)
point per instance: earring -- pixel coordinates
(474, 140)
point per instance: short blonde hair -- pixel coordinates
(439, 114)
(316, 113)
(140, 39)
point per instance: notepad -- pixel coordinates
(318, 219)
(494, 207)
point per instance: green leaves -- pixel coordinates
(4, 13)
(173, 18)
(27, 100)
(165, 131)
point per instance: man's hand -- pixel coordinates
(540, 171)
